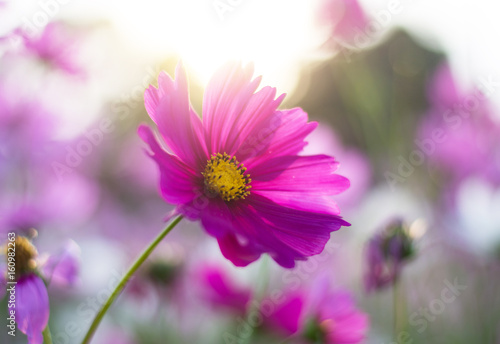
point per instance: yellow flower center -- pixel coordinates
(225, 176)
(25, 254)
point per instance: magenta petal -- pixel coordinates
(231, 109)
(286, 316)
(177, 180)
(305, 173)
(221, 291)
(63, 269)
(32, 307)
(216, 218)
(306, 232)
(238, 253)
(351, 328)
(281, 134)
(179, 125)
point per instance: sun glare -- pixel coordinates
(275, 36)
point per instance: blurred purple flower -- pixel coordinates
(33, 193)
(32, 301)
(460, 132)
(278, 203)
(353, 164)
(57, 45)
(62, 269)
(219, 290)
(346, 18)
(337, 320)
(26, 129)
(285, 316)
(320, 315)
(385, 255)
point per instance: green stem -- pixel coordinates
(399, 308)
(144, 255)
(47, 338)
(395, 309)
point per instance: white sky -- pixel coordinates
(277, 35)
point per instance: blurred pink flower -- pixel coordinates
(32, 300)
(219, 290)
(278, 202)
(33, 193)
(58, 46)
(285, 317)
(319, 315)
(346, 18)
(460, 133)
(354, 164)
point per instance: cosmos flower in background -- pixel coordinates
(33, 194)
(319, 315)
(32, 300)
(460, 132)
(57, 46)
(238, 171)
(332, 316)
(346, 19)
(219, 290)
(385, 254)
(284, 317)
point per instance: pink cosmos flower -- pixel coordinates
(285, 316)
(31, 297)
(339, 320)
(320, 315)
(460, 132)
(238, 171)
(219, 290)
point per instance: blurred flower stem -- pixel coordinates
(399, 309)
(47, 338)
(144, 255)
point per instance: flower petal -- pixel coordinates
(180, 127)
(305, 232)
(217, 218)
(286, 315)
(63, 269)
(32, 307)
(240, 254)
(261, 226)
(282, 133)
(220, 290)
(231, 109)
(309, 174)
(177, 180)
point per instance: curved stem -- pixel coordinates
(144, 255)
(47, 338)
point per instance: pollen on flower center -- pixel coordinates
(25, 255)
(225, 176)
